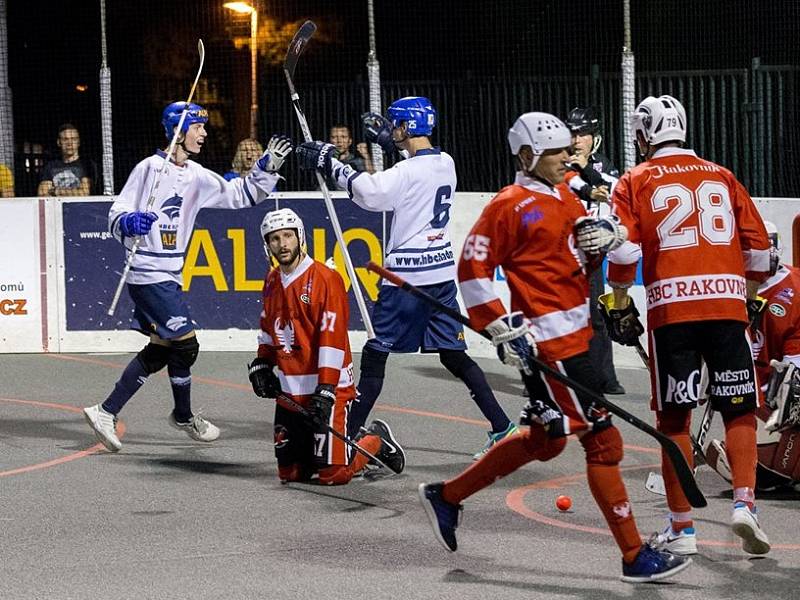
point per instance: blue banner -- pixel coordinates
(225, 262)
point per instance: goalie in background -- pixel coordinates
(539, 232)
(304, 354)
(704, 252)
(775, 332)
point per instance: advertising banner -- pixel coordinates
(225, 262)
(21, 300)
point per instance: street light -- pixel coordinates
(246, 8)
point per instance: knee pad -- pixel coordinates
(373, 362)
(184, 352)
(455, 361)
(603, 447)
(293, 472)
(154, 357)
(335, 475)
(540, 445)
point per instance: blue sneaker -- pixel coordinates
(653, 565)
(512, 429)
(444, 517)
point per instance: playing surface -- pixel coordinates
(168, 517)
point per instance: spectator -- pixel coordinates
(6, 182)
(342, 139)
(69, 175)
(247, 153)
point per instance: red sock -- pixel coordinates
(740, 445)
(675, 424)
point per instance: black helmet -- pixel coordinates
(583, 120)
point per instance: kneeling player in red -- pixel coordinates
(304, 355)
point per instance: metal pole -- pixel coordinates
(374, 77)
(628, 89)
(253, 72)
(105, 109)
(6, 114)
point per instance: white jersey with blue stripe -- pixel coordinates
(182, 191)
(420, 191)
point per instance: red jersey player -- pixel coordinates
(527, 228)
(776, 349)
(704, 251)
(304, 353)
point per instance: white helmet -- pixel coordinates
(541, 131)
(775, 247)
(283, 218)
(659, 120)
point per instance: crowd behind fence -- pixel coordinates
(734, 66)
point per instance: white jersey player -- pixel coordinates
(420, 191)
(154, 282)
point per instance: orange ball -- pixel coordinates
(563, 503)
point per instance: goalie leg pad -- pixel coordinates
(184, 352)
(603, 447)
(154, 357)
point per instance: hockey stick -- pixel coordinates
(672, 450)
(299, 42)
(156, 180)
(290, 404)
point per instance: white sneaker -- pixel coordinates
(104, 425)
(744, 523)
(197, 428)
(683, 542)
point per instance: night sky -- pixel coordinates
(56, 45)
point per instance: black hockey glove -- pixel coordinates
(265, 383)
(316, 155)
(755, 311)
(378, 130)
(552, 419)
(322, 403)
(623, 325)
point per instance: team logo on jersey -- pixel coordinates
(175, 323)
(305, 299)
(777, 310)
(531, 217)
(172, 207)
(785, 295)
(284, 334)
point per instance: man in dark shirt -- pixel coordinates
(69, 175)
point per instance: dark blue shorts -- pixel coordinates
(161, 309)
(404, 323)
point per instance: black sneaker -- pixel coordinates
(390, 453)
(444, 517)
(614, 389)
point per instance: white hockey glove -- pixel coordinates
(783, 395)
(596, 235)
(278, 148)
(514, 341)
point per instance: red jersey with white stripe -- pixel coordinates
(527, 229)
(304, 330)
(699, 233)
(778, 336)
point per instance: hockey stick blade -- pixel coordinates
(670, 448)
(299, 43)
(290, 404)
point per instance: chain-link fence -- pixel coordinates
(734, 65)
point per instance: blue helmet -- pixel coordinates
(172, 114)
(416, 111)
